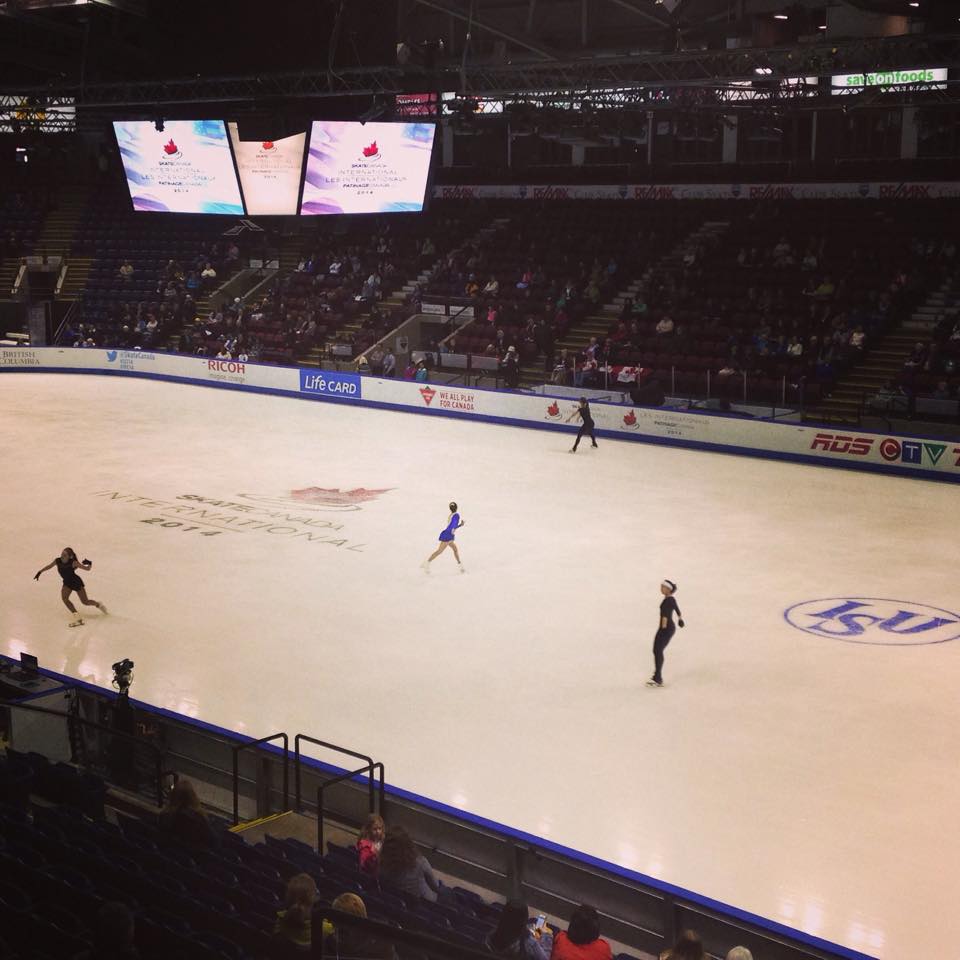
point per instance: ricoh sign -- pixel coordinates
(921, 78)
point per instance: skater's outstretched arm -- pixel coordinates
(49, 566)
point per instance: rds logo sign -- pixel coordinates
(870, 620)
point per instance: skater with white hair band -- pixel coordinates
(666, 630)
(446, 539)
(67, 565)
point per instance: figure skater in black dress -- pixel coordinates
(67, 565)
(668, 606)
(586, 423)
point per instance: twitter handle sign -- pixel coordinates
(127, 359)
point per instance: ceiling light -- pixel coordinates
(780, 16)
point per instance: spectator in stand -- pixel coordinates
(410, 370)
(347, 941)
(511, 369)
(514, 936)
(581, 940)
(294, 923)
(389, 363)
(917, 359)
(492, 287)
(208, 275)
(402, 867)
(739, 953)
(233, 252)
(370, 844)
(471, 288)
(664, 326)
(687, 947)
(126, 271)
(794, 347)
(183, 818)
(941, 391)
(563, 368)
(224, 353)
(420, 373)
(113, 934)
(858, 339)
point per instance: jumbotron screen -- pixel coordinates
(367, 167)
(269, 172)
(185, 168)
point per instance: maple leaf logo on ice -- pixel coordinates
(428, 393)
(371, 151)
(335, 497)
(553, 411)
(171, 149)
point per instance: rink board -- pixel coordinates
(821, 446)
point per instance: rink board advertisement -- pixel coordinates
(836, 446)
(925, 190)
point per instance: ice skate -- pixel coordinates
(76, 623)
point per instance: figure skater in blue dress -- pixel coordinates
(447, 539)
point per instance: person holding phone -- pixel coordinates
(515, 936)
(67, 565)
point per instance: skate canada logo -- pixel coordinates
(874, 621)
(372, 152)
(171, 150)
(630, 421)
(335, 497)
(553, 411)
(329, 383)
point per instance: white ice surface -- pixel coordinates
(809, 781)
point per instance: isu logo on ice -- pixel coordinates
(873, 620)
(428, 393)
(372, 152)
(553, 411)
(170, 149)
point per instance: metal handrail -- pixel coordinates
(368, 769)
(83, 722)
(337, 749)
(66, 319)
(253, 745)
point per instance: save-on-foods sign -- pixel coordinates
(924, 78)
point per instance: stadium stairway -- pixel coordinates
(598, 324)
(56, 239)
(8, 275)
(884, 362)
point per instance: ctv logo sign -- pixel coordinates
(911, 451)
(876, 621)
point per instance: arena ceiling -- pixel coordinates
(89, 41)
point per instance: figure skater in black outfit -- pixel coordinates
(668, 606)
(67, 565)
(586, 423)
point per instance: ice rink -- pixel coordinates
(802, 777)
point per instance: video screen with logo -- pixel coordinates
(184, 168)
(367, 167)
(269, 172)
